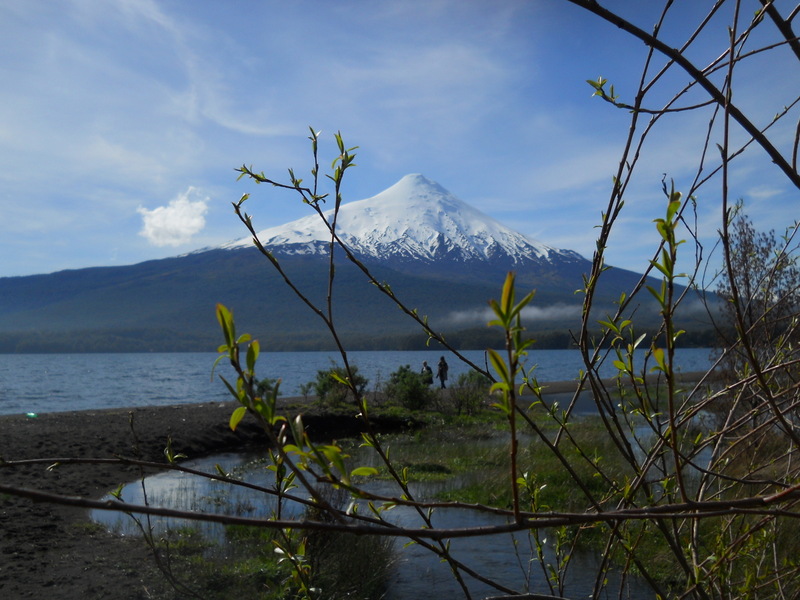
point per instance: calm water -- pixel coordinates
(42, 383)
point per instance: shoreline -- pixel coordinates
(56, 552)
(549, 388)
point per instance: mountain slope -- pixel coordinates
(169, 304)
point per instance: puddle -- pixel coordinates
(416, 573)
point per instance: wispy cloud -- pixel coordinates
(481, 316)
(176, 223)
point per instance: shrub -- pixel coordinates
(306, 389)
(331, 391)
(469, 392)
(266, 387)
(409, 389)
(337, 559)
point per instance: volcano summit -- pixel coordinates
(415, 220)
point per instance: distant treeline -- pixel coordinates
(104, 342)
(159, 340)
(483, 337)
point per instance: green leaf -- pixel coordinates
(501, 320)
(499, 365)
(117, 493)
(237, 417)
(363, 472)
(609, 325)
(507, 300)
(621, 366)
(658, 355)
(222, 348)
(253, 351)
(661, 268)
(639, 340)
(225, 319)
(296, 425)
(673, 206)
(171, 455)
(659, 295)
(233, 392)
(334, 455)
(500, 386)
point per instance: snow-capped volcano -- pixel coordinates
(440, 256)
(415, 219)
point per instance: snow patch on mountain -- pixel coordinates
(415, 219)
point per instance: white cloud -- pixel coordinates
(176, 223)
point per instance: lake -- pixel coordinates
(41, 383)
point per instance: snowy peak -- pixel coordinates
(415, 219)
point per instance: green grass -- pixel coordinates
(244, 563)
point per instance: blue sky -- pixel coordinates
(122, 121)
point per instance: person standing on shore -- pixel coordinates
(441, 371)
(427, 373)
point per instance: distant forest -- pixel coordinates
(158, 340)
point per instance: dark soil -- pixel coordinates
(53, 551)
